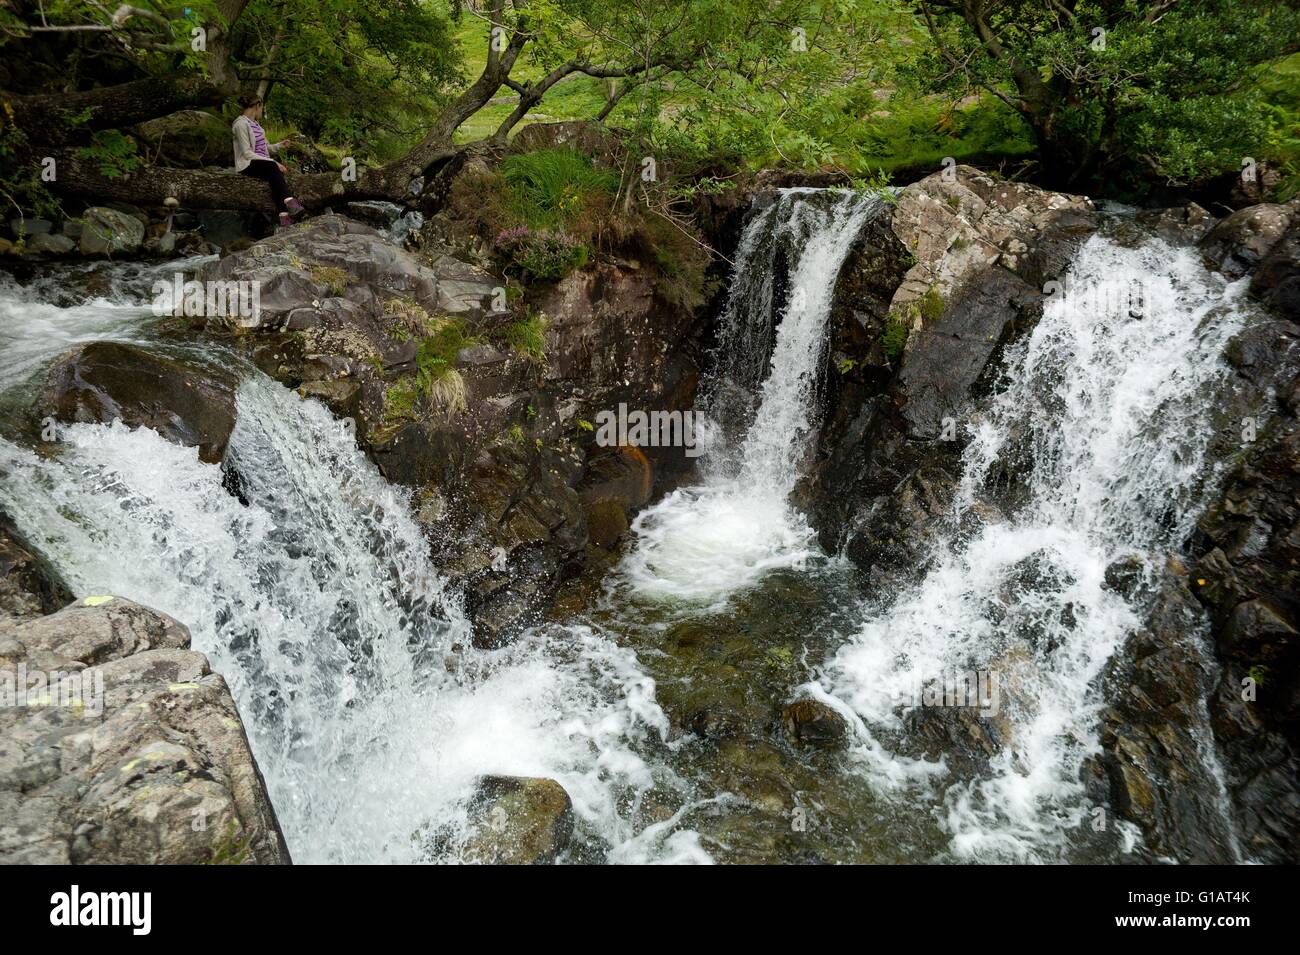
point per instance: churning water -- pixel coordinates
(370, 713)
(1106, 409)
(701, 544)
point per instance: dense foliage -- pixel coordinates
(1112, 95)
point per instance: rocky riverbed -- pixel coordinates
(746, 747)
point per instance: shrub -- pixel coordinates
(436, 380)
(541, 253)
(897, 328)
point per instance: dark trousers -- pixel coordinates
(269, 172)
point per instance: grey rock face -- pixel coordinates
(118, 744)
(1242, 240)
(107, 231)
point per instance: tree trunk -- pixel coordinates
(41, 118)
(194, 189)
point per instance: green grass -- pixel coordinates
(549, 186)
(527, 336)
(436, 380)
(919, 134)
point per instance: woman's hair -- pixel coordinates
(249, 100)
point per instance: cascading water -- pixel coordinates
(369, 713)
(1106, 411)
(703, 543)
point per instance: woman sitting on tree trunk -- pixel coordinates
(253, 158)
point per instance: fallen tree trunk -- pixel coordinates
(196, 189)
(42, 118)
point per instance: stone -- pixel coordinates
(341, 396)
(46, 244)
(518, 820)
(1241, 241)
(108, 231)
(109, 381)
(136, 753)
(814, 723)
(29, 586)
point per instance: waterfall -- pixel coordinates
(701, 544)
(369, 712)
(1106, 411)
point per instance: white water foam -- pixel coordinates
(36, 324)
(702, 544)
(318, 603)
(1107, 404)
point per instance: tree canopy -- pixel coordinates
(1099, 91)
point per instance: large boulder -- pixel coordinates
(322, 259)
(518, 820)
(122, 746)
(110, 381)
(1244, 239)
(931, 293)
(106, 231)
(1276, 281)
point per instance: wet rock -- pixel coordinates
(106, 231)
(342, 397)
(1244, 239)
(1126, 576)
(1181, 225)
(381, 215)
(515, 530)
(1152, 770)
(1215, 671)
(1247, 576)
(49, 245)
(1276, 281)
(29, 586)
(131, 753)
(974, 253)
(518, 820)
(813, 722)
(110, 381)
(616, 483)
